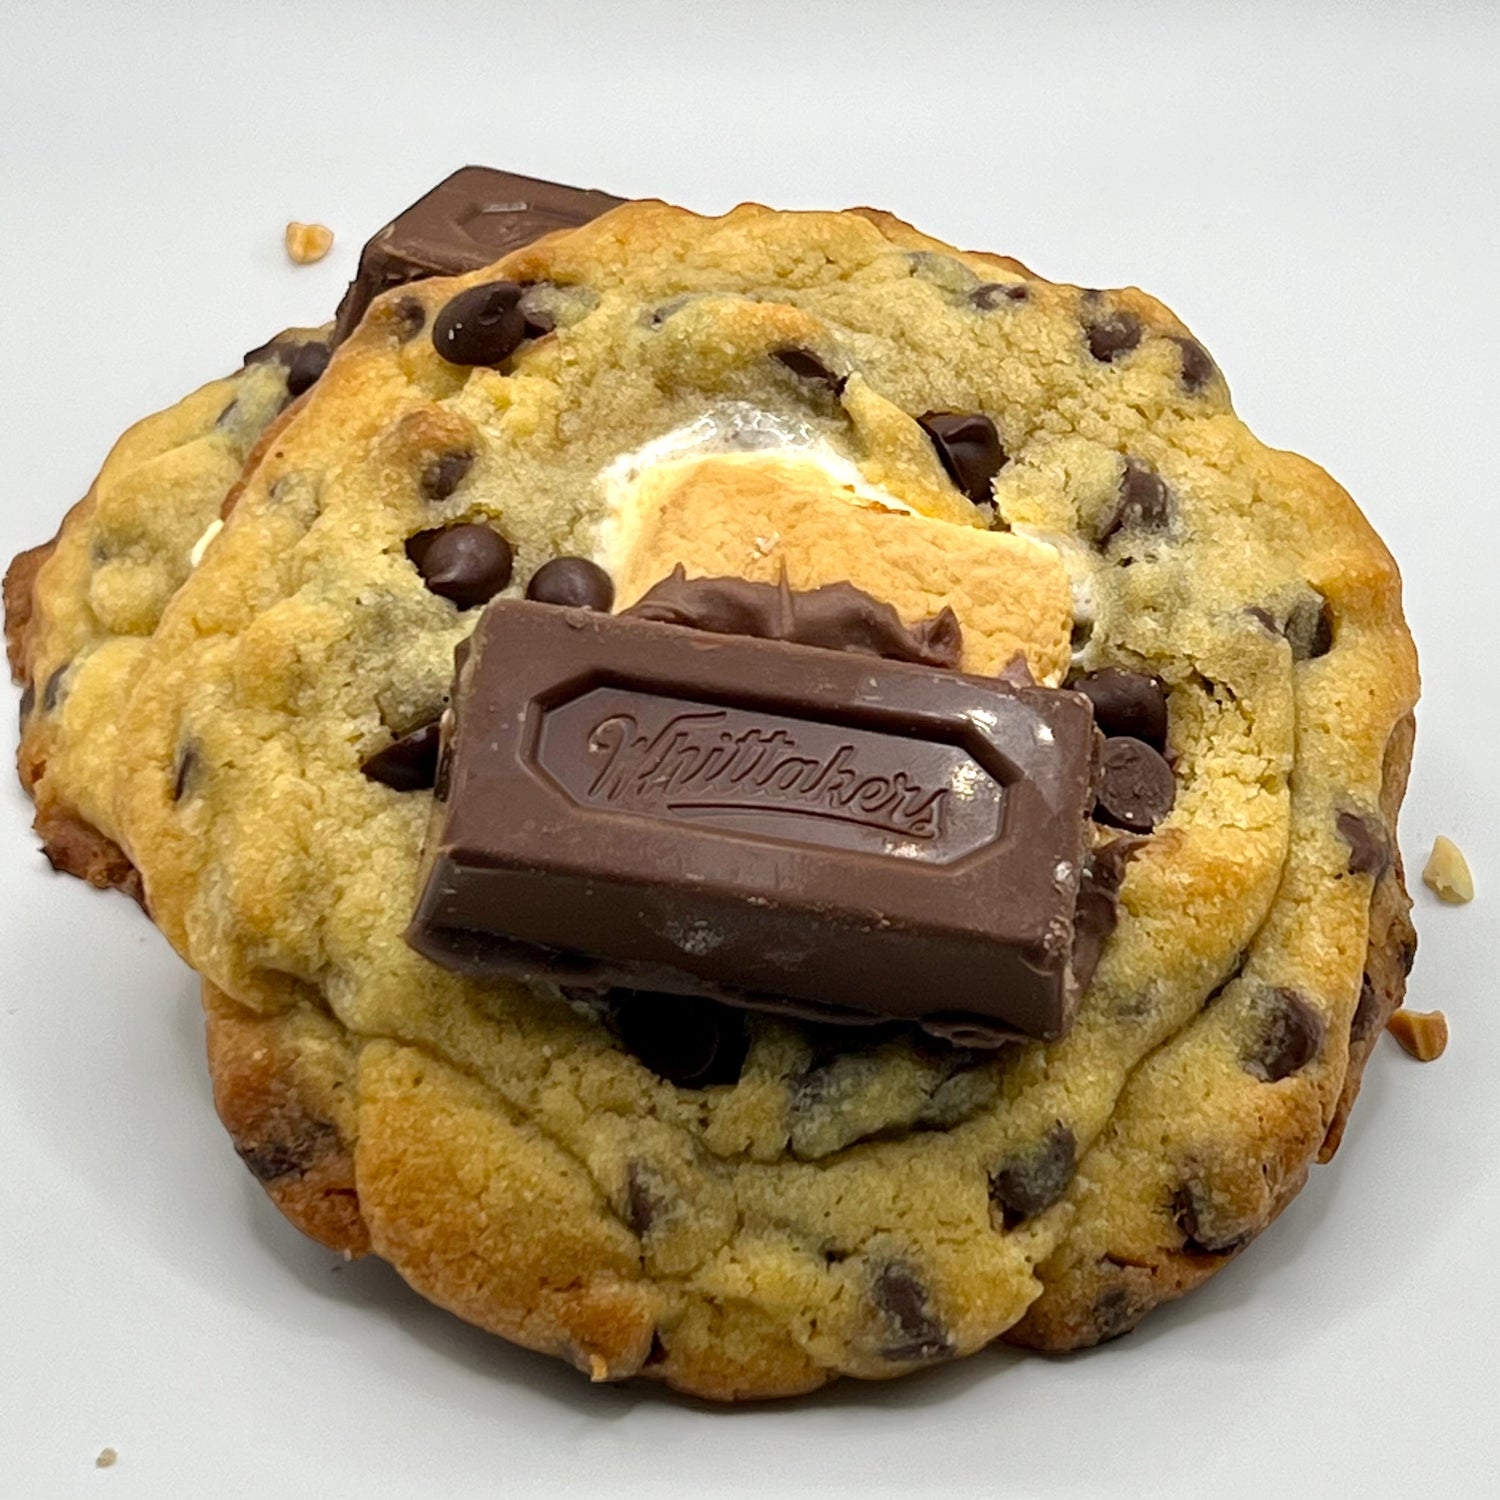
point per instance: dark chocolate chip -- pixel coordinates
(408, 764)
(1113, 334)
(468, 564)
(271, 1160)
(1144, 502)
(1097, 909)
(572, 581)
(539, 322)
(28, 701)
(1369, 850)
(1367, 1012)
(481, 326)
(903, 1301)
(1309, 628)
(1197, 368)
(1031, 1183)
(1287, 1035)
(183, 770)
(969, 447)
(807, 365)
(263, 354)
(1114, 1313)
(1189, 1216)
(52, 693)
(690, 1042)
(305, 366)
(995, 294)
(1136, 786)
(1128, 703)
(409, 317)
(643, 1205)
(1408, 954)
(445, 473)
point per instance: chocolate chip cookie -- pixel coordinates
(745, 1202)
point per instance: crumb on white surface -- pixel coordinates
(1447, 873)
(1423, 1034)
(106, 1459)
(306, 243)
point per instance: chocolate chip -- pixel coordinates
(1126, 703)
(445, 473)
(1367, 1012)
(1113, 334)
(1114, 1313)
(1309, 628)
(1031, 1183)
(993, 294)
(305, 366)
(1287, 1034)
(1144, 503)
(643, 1205)
(969, 448)
(690, 1042)
(539, 322)
(410, 317)
(572, 581)
(270, 1160)
(1197, 1238)
(1197, 368)
(1408, 954)
(52, 692)
(902, 1299)
(481, 326)
(28, 701)
(1369, 851)
(183, 771)
(263, 354)
(1136, 786)
(1097, 909)
(468, 564)
(408, 764)
(807, 365)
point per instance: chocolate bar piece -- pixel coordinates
(468, 220)
(641, 805)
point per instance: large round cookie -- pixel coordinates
(838, 1205)
(79, 609)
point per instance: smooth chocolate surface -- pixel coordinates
(827, 834)
(467, 221)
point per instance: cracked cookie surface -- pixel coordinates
(837, 1205)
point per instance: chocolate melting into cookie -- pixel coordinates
(817, 832)
(468, 220)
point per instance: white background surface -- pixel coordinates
(1312, 188)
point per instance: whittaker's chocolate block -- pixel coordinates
(467, 221)
(646, 806)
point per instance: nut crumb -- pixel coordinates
(306, 243)
(1422, 1033)
(106, 1459)
(1447, 874)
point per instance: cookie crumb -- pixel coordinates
(598, 1367)
(1447, 874)
(306, 243)
(1422, 1033)
(106, 1459)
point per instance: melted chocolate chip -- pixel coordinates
(1189, 1216)
(1136, 786)
(1031, 1183)
(445, 473)
(969, 447)
(1144, 503)
(481, 326)
(408, 764)
(1097, 910)
(28, 701)
(807, 365)
(183, 771)
(903, 1301)
(468, 564)
(1126, 703)
(993, 294)
(1367, 1012)
(1112, 335)
(1309, 628)
(410, 318)
(575, 582)
(52, 692)
(1287, 1035)
(643, 1205)
(305, 366)
(692, 1043)
(1369, 851)
(1197, 368)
